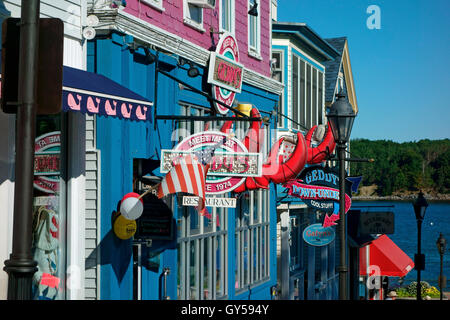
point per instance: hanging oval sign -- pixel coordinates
(316, 235)
(225, 72)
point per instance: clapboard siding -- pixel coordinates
(91, 214)
(91, 240)
(68, 11)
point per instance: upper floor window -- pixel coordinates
(277, 74)
(254, 32)
(157, 4)
(227, 16)
(307, 94)
(193, 15)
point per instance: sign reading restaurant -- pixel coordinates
(225, 72)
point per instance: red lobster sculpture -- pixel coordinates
(287, 157)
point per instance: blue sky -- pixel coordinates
(401, 71)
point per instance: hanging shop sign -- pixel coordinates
(316, 235)
(318, 187)
(376, 222)
(210, 202)
(230, 165)
(156, 221)
(237, 164)
(225, 72)
(47, 150)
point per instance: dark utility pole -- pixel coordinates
(419, 254)
(343, 268)
(21, 266)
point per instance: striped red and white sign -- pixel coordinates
(187, 175)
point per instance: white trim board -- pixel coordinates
(119, 20)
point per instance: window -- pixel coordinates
(314, 98)
(302, 94)
(295, 95)
(49, 215)
(202, 243)
(252, 232)
(157, 4)
(252, 239)
(277, 74)
(307, 94)
(254, 36)
(227, 16)
(320, 104)
(193, 16)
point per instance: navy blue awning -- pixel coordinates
(93, 93)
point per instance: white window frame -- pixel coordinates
(156, 4)
(232, 18)
(205, 276)
(254, 52)
(281, 119)
(187, 19)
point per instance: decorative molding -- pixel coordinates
(114, 19)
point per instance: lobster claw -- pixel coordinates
(326, 147)
(279, 171)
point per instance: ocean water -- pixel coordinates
(437, 220)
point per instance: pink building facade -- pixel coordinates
(172, 18)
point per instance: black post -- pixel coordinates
(419, 254)
(441, 277)
(343, 269)
(21, 266)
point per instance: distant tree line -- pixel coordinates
(407, 166)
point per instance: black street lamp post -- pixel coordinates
(341, 117)
(21, 266)
(441, 244)
(420, 206)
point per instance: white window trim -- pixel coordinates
(156, 4)
(254, 52)
(233, 17)
(282, 97)
(188, 21)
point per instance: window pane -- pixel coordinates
(219, 266)
(295, 91)
(308, 96)
(302, 93)
(193, 272)
(48, 247)
(320, 98)
(206, 268)
(195, 13)
(314, 103)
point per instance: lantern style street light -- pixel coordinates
(420, 206)
(341, 116)
(441, 243)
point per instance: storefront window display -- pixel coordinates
(48, 244)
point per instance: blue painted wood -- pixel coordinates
(324, 271)
(311, 262)
(119, 141)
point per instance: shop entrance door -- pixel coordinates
(150, 279)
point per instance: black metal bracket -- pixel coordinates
(208, 96)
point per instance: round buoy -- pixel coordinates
(123, 228)
(131, 207)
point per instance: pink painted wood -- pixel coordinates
(171, 20)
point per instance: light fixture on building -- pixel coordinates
(254, 10)
(149, 57)
(193, 70)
